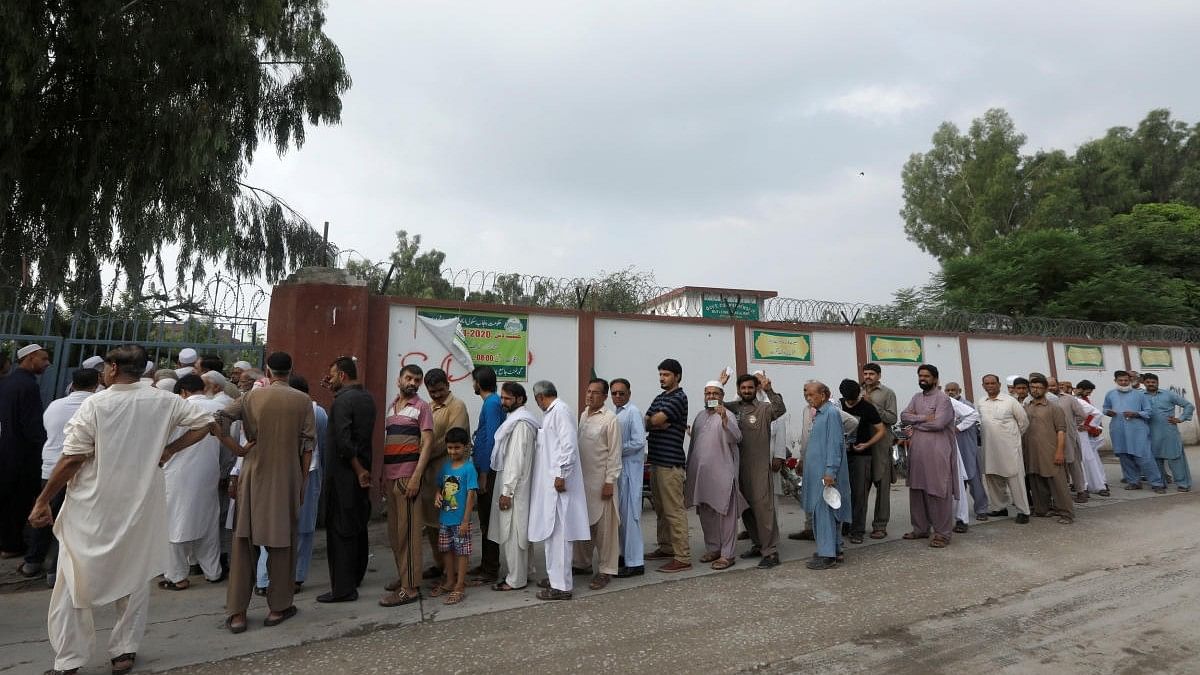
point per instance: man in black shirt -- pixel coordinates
(666, 423)
(347, 480)
(870, 431)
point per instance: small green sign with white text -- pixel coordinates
(747, 310)
(895, 349)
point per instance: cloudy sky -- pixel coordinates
(710, 143)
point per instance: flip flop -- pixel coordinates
(174, 585)
(283, 616)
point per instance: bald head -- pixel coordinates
(953, 390)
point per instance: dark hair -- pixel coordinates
(602, 381)
(298, 382)
(929, 368)
(747, 377)
(1149, 376)
(191, 383)
(671, 366)
(280, 363)
(485, 377)
(985, 377)
(85, 378)
(1086, 384)
(130, 359)
(435, 376)
(413, 369)
(1020, 380)
(1120, 373)
(457, 435)
(515, 390)
(1039, 379)
(620, 380)
(348, 367)
(873, 367)
(850, 389)
(213, 363)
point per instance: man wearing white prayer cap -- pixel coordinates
(94, 362)
(187, 362)
(20, 445)
(167, 384)
(712, 470)
(235, 374)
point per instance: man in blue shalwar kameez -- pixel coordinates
(1165, 440)
(825, 465)
(1129, 431)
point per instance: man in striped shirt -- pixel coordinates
(666, 423)
(408, 442)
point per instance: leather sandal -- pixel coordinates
(131, 657)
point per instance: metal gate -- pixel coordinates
(231, 338)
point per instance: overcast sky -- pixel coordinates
(710, 143)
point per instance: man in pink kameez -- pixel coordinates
(933, 468)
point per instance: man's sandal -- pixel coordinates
(553, 594)
(130, 658)
(915, 535)
(455, 597)
(174, 585)
(709, 557)
(398, 598)
(938, 541)
(723, 563)
(503, 586)
(437, 589)
(235, 628)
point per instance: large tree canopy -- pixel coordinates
(127, 127)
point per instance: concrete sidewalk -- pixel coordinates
(186, 627)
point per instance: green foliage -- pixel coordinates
(126, 127)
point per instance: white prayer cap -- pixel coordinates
(96, 362)
(832, 497)
(166, 384)
(150, 366)
(714, 383)
(214, 377)
(187, 356)
(243, 365)
(180, 372)
(28, 349)
(1011, 379)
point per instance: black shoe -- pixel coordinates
(329, 597)
(821, 563)
(260, 590)
(195, 571)
(1022, 518)
(845, 529)
(626, 572)
(768, 561)
(998, 514)
(1160, 490)
(620, 562)
(803, 535)
(434, 572)
(856, 538)
(981, 517)
(754, 552)
(960, 527)
(580, 570)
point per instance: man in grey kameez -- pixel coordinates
(712, 477)
(754, 475)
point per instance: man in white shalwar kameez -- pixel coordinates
(558, 507)
(512, 460)
(1002, 421)
(966, 419)
(112, 529)
(192, 499)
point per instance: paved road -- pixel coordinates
(1116, 591)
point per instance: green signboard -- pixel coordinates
(1155, 357)
(780, 347)
(1084, 356)
(497, 340)
(747, 310)
(895, 349)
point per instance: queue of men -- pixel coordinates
(138, 480)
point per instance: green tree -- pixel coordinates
(126, 127)
(409, 272)
(968, 188)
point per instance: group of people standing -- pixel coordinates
(143, 472)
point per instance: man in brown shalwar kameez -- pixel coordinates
(754, 418)
(933, 483)
(712, 477)
(1044, 442)
(1072, 452)
(279, 424)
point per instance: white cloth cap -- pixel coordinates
(714, 383)
(27, 350)
(187, 356)
(150, 368)
(186, 370)
(832, 497)
(1011, 379)
(215, 378)
(166, 384)
(96, 362)
(243, 365)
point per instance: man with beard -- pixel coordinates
(712, 477)
(558, 512)
(449, 412)
(512, 460)
(407, 444)
(1075, 417)
(21, 441)
(754, 473)
(666, 422)
(491, 416)
(1164, 431)
(1129, 432)
(882, 473)
(933, 468)
(1045, 440)
(347, 480)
